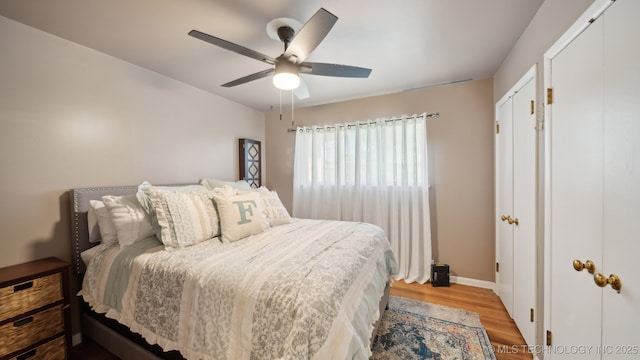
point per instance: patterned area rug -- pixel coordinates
(418, 330)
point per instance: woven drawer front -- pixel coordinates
(53, 350)
(30, 295)
(28, 330)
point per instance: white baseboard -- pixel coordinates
(473, 282)
(76, 339)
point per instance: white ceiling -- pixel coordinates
(408, 44)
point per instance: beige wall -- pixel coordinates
(552, 19)
(73, 117)
(460, 163)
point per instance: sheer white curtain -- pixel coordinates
(373, 172)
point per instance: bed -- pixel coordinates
(302, 289)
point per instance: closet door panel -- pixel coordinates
(524, 209)
(621, 312)
(504, 204)
(576, 190)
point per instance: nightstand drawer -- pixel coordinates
(30, 329)
(53, 350)
(29, 295)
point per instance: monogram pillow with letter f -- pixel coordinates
(241, 215)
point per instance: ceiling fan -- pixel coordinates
(297, 47)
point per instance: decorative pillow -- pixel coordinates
(145, 199)
(226, 190)
(185, 219)
(129, 218)
(240, 215)
(214, 183)
(274, 211)
(105, 231)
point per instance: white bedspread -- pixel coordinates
(309, 289)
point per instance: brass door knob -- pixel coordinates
(589, 265)
(509, 219)
(613, 280)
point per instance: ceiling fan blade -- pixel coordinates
(323, 69)
(311, 35)
(232, 47)
(246, 79)
(301, 92)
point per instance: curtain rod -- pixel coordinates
(427, 116)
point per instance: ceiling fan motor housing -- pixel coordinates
(286, 33)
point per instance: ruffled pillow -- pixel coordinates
(145, 200)
(185, 219)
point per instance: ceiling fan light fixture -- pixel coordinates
(286, 76)
(299, 41)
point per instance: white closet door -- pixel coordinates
(621, 312)
(524, 209)
(516, 183)
(576, 187)
(504, 203)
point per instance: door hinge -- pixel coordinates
(497, 128)
(548, 338)
(532, 107)
(497, 267)
(549, 96)
(531, 315)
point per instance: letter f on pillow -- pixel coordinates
(245, 207)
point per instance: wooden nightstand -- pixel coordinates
(35, 314)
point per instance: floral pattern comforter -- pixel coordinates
(309, 289)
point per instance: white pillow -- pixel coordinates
(106, 231)
(185, 219)
(274, 211)
(241, 215)
(215, 183)
(129, 218)
(93, 227)
(226, 190)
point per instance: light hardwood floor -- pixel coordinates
(505, 338)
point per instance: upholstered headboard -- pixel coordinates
(79, 228)
(80, 198)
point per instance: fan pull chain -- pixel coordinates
(292, 108)
(280, 105)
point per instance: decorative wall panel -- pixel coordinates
(250, 162)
